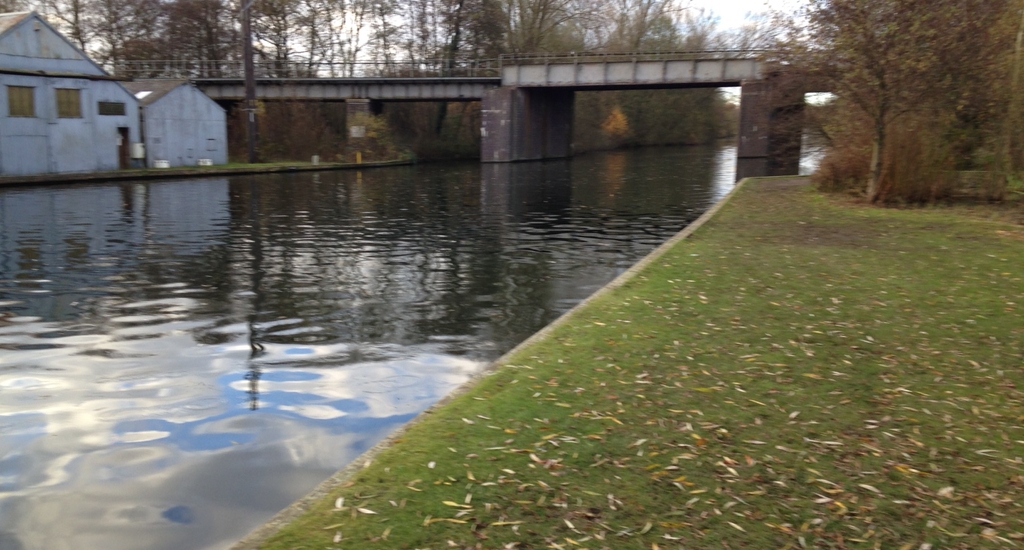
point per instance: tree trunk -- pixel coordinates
(1011, 146)
(453, 49)
(877, 150)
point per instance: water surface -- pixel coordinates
(181, 360)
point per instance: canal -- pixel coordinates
(181, 360)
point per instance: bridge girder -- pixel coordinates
(341, 89)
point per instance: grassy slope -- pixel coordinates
(800, 372)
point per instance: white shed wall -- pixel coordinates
(47, 144)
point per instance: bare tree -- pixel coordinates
(543, 25)
(863, 49)
(315, 21)
(350, 28)
(759, 32)
(1012, 149)
(385, 23)
(644, 24)
(889, 58)
(72, 17)
(126, 29)
(200, 30)
(11, 6)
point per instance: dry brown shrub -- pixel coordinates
(917, 166)
(843, 169)
(290, 130)
(846, 163)
(919, 163)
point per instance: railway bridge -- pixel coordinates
(527, 100)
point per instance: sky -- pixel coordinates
(732, 13)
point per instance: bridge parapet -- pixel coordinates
(587, 69)
(206, 69)
(631, 70)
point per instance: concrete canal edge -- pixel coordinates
(181, 173)
(254, 539)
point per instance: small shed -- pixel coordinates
(59, 110)
(180, 124)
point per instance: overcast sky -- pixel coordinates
(731, 13)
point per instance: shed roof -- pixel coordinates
(53, 63)
(149, 91)
(9, 20)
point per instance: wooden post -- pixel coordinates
(250, 81)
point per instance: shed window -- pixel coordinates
(69, 103)
(211, 144)
(111, 108)
(21, 101)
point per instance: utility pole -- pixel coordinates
(250, 81)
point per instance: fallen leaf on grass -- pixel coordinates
(448, 520)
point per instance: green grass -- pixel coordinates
(799, 373)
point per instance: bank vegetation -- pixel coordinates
(928, 95)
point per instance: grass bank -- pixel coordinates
(799, 373)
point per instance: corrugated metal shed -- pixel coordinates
(90, 129)
(180, 124)
(150, 91)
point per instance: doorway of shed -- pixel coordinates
(123, 156)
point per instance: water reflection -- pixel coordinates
(178, 361)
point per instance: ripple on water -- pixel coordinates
(179, 411)
(143, 437)
(143, 319)
(314, 412)
(32, 383)
(82, 340)
(128, 461)
(162, 303)
(23, 319)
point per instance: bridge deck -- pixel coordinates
(336, 89)
(563, 72)
(575, 72)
